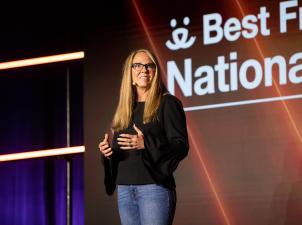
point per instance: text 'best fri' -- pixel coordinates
(214, 30)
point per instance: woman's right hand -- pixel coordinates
(104, 147)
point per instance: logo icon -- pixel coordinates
(180, 36)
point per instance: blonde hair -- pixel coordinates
(124, 110)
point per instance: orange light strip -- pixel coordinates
(42, 153)
(144, 25)
(274, 82)
(42, 60)
(195, 146)
(210, 180)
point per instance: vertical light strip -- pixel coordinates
(145, 28)
(195, 147)
(69, 159)
(67, 107)
(42, 60)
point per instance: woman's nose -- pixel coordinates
(144, 69)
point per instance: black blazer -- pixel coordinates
(166, 144)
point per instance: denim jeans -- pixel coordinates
(148, 204)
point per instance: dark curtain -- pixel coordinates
(33, 117)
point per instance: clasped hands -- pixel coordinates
(125, 141)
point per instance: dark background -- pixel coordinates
(33, 114)
(244, 165)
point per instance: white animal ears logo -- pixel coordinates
(180, 36)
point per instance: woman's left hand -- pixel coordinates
(129, 141)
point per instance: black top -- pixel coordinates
(166, 144)
(131, 169)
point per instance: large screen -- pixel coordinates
(237, 68)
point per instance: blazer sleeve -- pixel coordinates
(110, 168)
(163, 152)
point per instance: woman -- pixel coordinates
(149, 141)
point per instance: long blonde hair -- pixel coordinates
(124, 110)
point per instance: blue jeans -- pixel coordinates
(148, 204)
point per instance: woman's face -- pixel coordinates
(143, 70)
